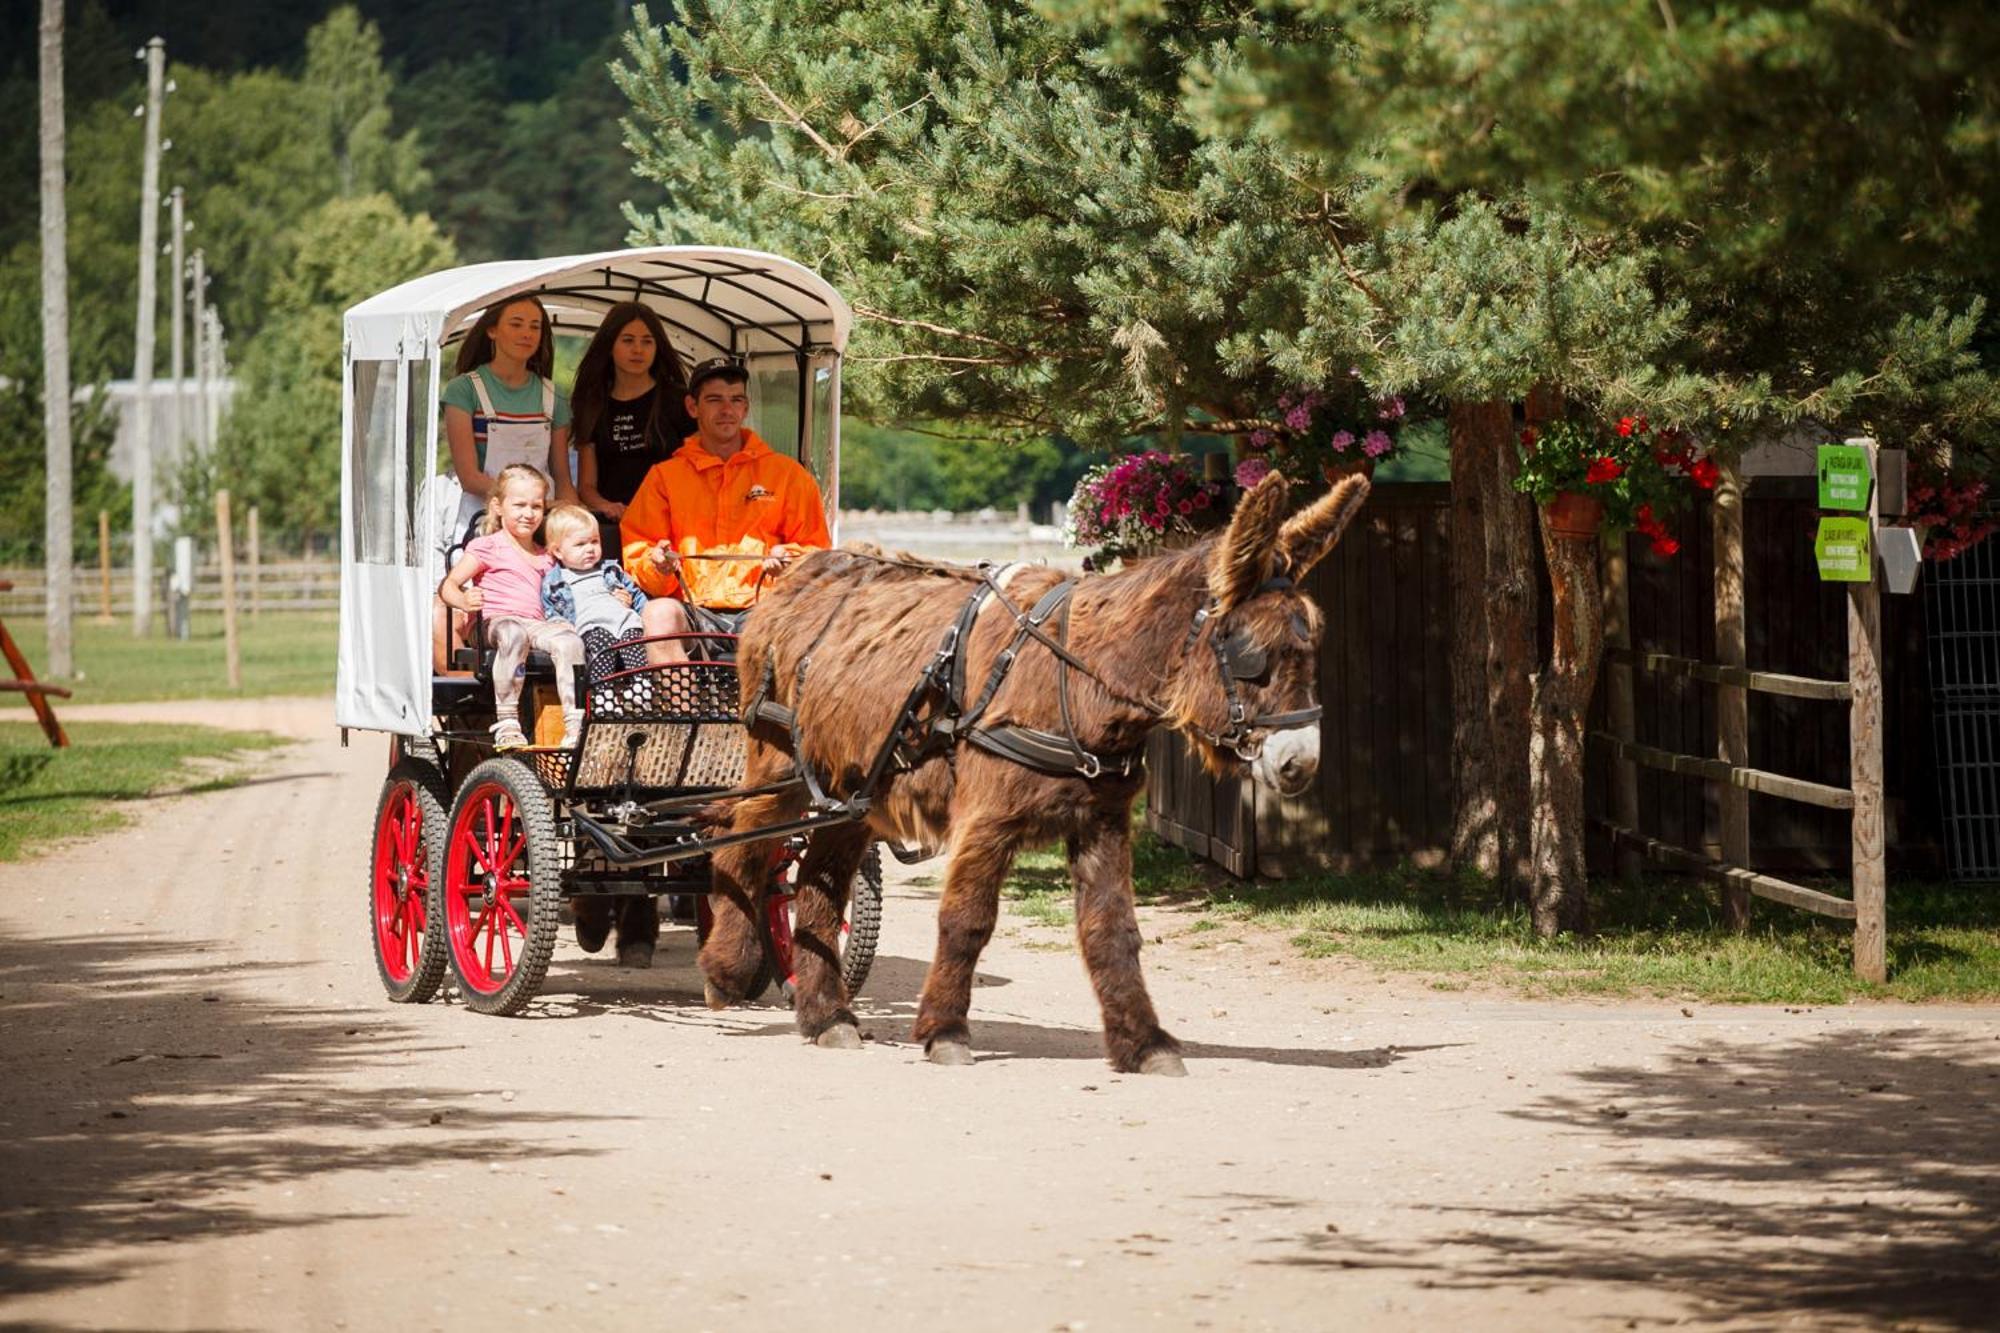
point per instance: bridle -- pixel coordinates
(1238, 657)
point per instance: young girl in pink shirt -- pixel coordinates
(504, 569)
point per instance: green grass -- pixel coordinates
(289, 653)
(48, 794)
(1665, 938)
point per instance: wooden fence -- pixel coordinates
(298, 585)
(1384, 792)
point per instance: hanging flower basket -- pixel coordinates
(1572, 516)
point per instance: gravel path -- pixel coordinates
(212, 1119)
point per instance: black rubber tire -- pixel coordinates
(424, 786)
(864, 921)
(535, 811)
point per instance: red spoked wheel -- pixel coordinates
(409, 841)
(500, 894)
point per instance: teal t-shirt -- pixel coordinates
(525, 401)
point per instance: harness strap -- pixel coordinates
(1057, 596)
(1046, 752)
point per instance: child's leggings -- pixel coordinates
(512, 638)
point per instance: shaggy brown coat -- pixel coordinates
(870, 626)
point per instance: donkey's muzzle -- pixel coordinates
(1288, 761)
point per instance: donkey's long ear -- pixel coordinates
(1245, 556)
(1314, 530)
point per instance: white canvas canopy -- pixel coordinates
(781, 320)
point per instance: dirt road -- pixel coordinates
(211, 1119)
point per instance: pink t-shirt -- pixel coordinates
(509, 579)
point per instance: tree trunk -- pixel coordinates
(1475, 835)
(56, 536)
(1561, 700)
(1511, 648)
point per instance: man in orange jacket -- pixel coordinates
(723, 493)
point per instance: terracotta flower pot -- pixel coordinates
(1573, 516)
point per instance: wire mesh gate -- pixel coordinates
(1962, 626)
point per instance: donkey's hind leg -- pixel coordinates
(1107, 930)
(826, 872)
(980, 859)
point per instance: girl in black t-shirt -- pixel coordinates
(628, 407)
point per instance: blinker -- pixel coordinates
(1243, 657)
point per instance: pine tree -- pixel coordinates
(1032, 234)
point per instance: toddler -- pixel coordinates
(592, 593)
(505, 567)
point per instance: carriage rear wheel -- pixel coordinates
(409, 843)
(860, 926)
(500, 893)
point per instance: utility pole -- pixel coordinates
(197, 282)
(155, 56)
(214, 372)
(179, 275)
(55, 350)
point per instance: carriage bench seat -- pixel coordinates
(479, 661)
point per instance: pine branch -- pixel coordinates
(880, 317)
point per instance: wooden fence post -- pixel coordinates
(256, 567)
(227, 552)
(104, 567)
(1620, 698)
(1732, 702)
(1864, 676)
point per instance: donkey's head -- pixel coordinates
(1243, 686)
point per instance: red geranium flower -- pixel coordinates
(1665, 546)
(1625, 425)
(1603, 470)
(1705, 473)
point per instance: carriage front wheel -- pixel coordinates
(860, 926)
(409, 845)
(500, 895)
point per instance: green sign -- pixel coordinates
(1842, 550)
(1843, 477)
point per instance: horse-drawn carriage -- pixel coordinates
(477, 853)
(877, 698)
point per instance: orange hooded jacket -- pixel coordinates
(756, 502)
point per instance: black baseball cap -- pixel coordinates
(725, 368)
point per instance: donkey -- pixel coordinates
(1215, 641)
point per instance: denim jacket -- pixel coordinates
(559, 603)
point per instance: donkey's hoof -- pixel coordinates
(948, 1053)
(839, 1037)
(714, 998)
(1164, 1062)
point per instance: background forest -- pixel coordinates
(328, 152)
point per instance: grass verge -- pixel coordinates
(1664, 938)
(289, 653)
(48, 794)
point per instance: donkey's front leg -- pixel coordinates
(826, 872)
(980, 859)
(1107, 930)
(732, 958)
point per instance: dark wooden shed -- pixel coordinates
(1384, 792)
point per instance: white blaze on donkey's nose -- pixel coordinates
(1289, 760)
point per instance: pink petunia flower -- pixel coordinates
(1341, 440)
(1376, 444)
(1251, 471)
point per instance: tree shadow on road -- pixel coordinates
(1851, 1176)
(146, 1086)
